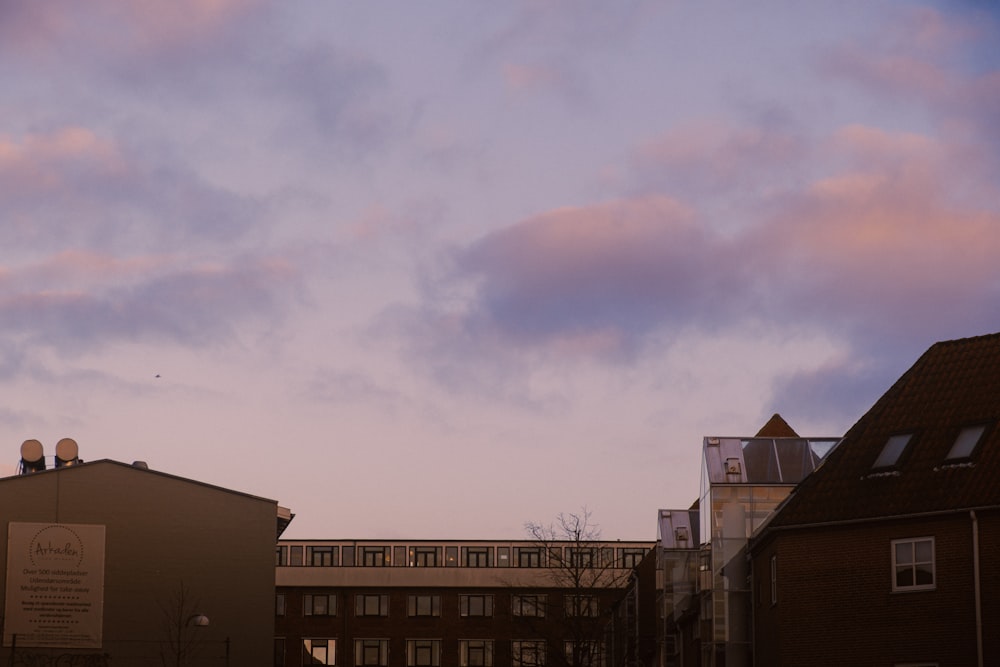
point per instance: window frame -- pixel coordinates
(330, 652)
(578, 603)
(968, 452)
(774, 579)
(361, 644)
(413, 605)
(415, 645)
(464, 651)
(466, 608)
(537, 647)
(309, 604)
(886, 459)
(528, 602)
(913, 565)
(361, 601)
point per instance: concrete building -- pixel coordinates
(108, 563)
(425, 603)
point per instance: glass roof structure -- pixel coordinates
(763, 460)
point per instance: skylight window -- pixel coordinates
(966, 442)
(893, 450)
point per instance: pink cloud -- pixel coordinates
(41, 162)
(36, 27)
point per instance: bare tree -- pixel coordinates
(587, 583)
(181, 620)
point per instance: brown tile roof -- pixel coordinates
(954, 384)
(776, 427)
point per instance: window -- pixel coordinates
(374, 556)
(319, 605)
(371, 605)
(296, 556)
(451, 556)
(581, 605)
(893, 450)
(319, 652)
(632, 557)
(528, 605)
(477, 556)
(583, 653)
(475, 653)
(503, 556)
(279, 604)
(423, 652)
(913, 564)
(476, 605)
(321, 556)
(425, 556)
(965, 443)
(774, 580)
(528, 653)
(528, 556)
(581, 556)
(371, 652)
(424, 605)
(281, 556)
(279, 652)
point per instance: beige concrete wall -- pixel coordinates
(163, 533)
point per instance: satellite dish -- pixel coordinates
(67, 452)
(32, 456)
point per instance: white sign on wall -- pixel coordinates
(55, 585)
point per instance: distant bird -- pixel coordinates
(157, 375)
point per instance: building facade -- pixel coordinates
(105, 563)
(420, 603)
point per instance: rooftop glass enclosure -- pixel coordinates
(743, 481)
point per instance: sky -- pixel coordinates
(435, 270)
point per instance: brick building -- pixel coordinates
(422, 603)
(887, 554)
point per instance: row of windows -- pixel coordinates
(912, 566)
(427, 652)
(297, 555)
(325, 604)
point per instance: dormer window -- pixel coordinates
(966, 442)
(894, 448)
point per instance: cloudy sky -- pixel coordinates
(434, 269)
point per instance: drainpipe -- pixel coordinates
(975, 575)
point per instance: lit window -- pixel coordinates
(319, 651)
(475, 652)
(371, 652)
(423, 652)
(913, 564)
(583, 653)
(581, 605)
(371, 605)
(528, 605)
(893, 450)
(424, 605)
(966, 442)
(528, 653)
(476, 605)
(425, 556)
(319, 605)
